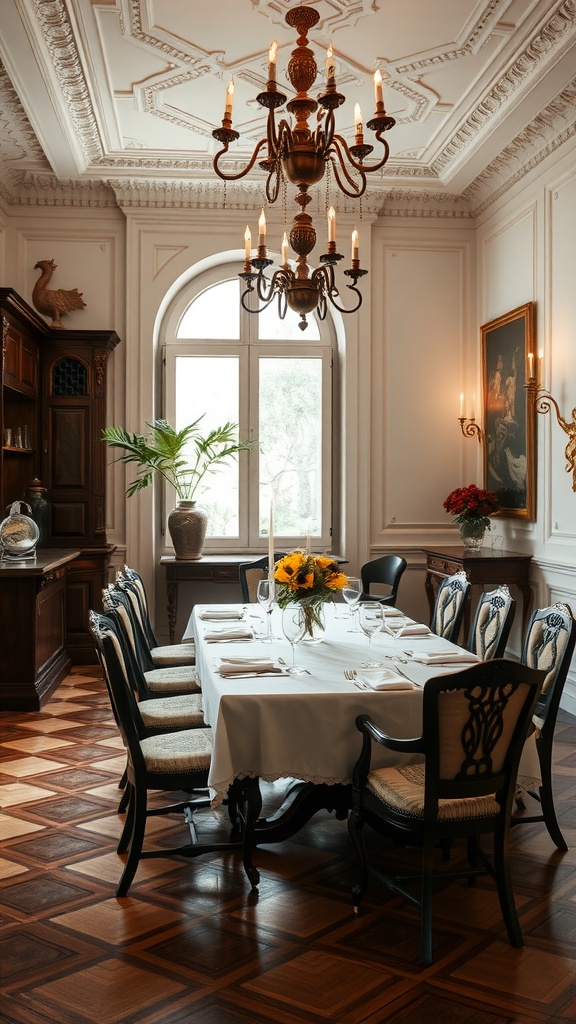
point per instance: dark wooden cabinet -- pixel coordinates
(54, 408)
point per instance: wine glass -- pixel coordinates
(293, 627)
(371, 622)
(266, 594)
(351, 593)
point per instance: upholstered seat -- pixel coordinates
(131, 582)
(549, 646)
(449, 606)
(474, 726)
(176, 762)
(492, 624)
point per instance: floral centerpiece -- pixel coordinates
(472, 507)
(308, 580)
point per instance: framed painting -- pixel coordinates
(509, 429)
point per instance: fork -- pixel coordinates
(351, 675)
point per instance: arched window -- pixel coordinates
(274, 380)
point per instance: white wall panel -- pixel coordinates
(507, 261)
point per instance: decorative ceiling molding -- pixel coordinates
(553, 126)
(54, 23)
(525, 66)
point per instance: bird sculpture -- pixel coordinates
(54, 302)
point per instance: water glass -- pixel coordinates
(266, 594)
(371, 623)
(351, 594)
(294, 627)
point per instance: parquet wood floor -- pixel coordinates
(192, 944)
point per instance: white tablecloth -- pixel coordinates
(303, 726)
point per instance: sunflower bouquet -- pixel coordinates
(308, 580)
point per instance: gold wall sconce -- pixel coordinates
(468, 424)
(543, 402)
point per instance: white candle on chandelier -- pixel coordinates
(262, 229)
(355, 245)
(285, 249)
(378, 94)
(331, 224)
(272, 61)
(229, 99)
(358, 119)
(247, 243)
(330, 66)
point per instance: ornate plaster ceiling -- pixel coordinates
(112, 102)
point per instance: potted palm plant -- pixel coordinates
(182, 458)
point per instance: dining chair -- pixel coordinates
(474, 727)
(549, 645)
(162, 655)
(161, 682)
(250, 574)
(449, 606)
(492, 623)
(386, 571)
(175, 762)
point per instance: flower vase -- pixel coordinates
(314, 622)
(187, 525)
(472, 533)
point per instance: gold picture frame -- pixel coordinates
(509, 421)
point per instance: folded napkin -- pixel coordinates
(249, 668)
(223, 635)
(390, 612)
(384, 679)
(217, 616)
(447, 658)
(413, 629)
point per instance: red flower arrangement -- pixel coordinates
(471, 503)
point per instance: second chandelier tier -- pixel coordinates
(301, 156)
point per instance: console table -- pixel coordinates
(208, 569)
(486, 566)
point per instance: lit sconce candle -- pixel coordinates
(272, 61)
(330, 66)
(461, 405)
(473, 408)
(540, 364)
(285, 249)
(229, 99)
(378, 95)
(530, 366)
(358, 123)
(355, 245)
(331, 224)
(247, 243)
(262, 229)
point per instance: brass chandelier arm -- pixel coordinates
(324, 278)
(362, 168)
(545, 402)
(234, 177)
(338, 166)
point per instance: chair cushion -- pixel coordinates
(183, 712)
(183, 679)
(177, 752)
(174, 654)
(402, 789)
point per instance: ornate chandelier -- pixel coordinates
(301, 156)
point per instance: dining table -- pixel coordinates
(268, 724)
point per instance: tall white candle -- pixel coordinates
(358, 118)
(247, 243)
(229, 99)
(473, 407)
(461, 405)
(262, 229)
(331, 224)
(284, 249)
(355, 245)
(272, 61)
(530, 366)
(271, 541)
(378, 95)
